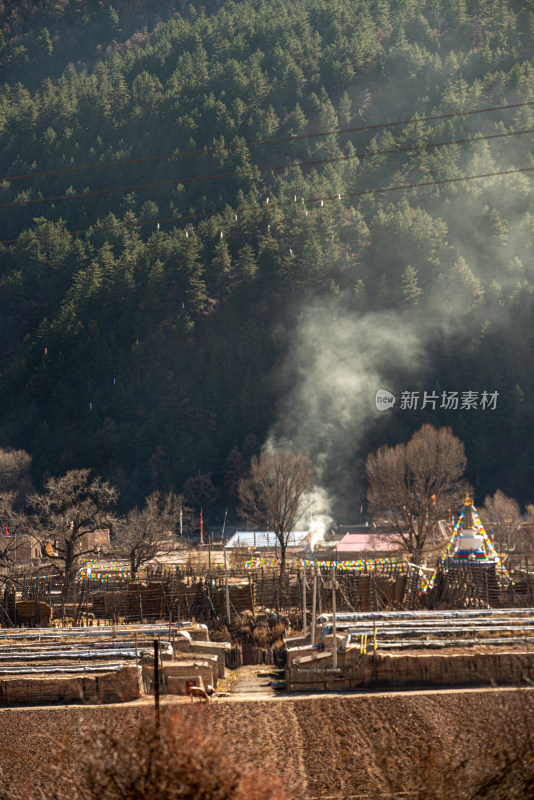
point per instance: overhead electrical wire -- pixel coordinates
(255, 170)
(262, 142)
(281, 204)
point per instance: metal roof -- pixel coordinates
(263, 539)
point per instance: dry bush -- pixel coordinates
(501, 517)
(277, 632)
(185, 760)
(260, 636)
(220, 634)
(244, 634)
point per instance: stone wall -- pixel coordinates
(120, 686)
(210, 659)
(108, 687)
(412, 669)
(178, 684)
(181, 669)
(213, 648)
(454, 669)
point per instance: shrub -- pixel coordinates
(183, 760)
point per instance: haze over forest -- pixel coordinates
(161, 318)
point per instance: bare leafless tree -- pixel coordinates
(143, 533)
(273, 495)
(70, 507)
(15, 474)
(14, 525)
(526, 531)
(500, 516)
(15, 484)
(412, 486)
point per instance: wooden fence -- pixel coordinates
(260, 594)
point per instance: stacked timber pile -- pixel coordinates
(33, 612)
(189, 599)
(354, 669)
(376, 591)
(109, 604)
(146, 601)
(105, 663)
(241, 598)
(465, 585)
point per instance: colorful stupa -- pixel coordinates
(469, 544)
(469, 541)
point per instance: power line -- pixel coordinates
(255, 170)
(258, 206)
(284, 140)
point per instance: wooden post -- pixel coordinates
(314, 606)
(334, 647)
(156, 684)
(210, 542)
(251, 592)
(227, 590)
(288, 589)
(304, 620)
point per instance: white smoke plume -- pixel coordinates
(336, 365)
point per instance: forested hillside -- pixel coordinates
(187, 266)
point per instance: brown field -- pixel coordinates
(328, 746)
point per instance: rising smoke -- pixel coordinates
(335, 367)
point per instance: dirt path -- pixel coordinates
(253, 684)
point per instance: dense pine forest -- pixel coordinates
(239, 220)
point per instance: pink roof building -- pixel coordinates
(364, 540)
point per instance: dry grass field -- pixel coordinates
(323, 747)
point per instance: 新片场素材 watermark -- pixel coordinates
(450, 401)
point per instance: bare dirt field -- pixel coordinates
(325, 746)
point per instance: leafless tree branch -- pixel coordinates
(141, 535)
(273, 495)
(412, 486)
